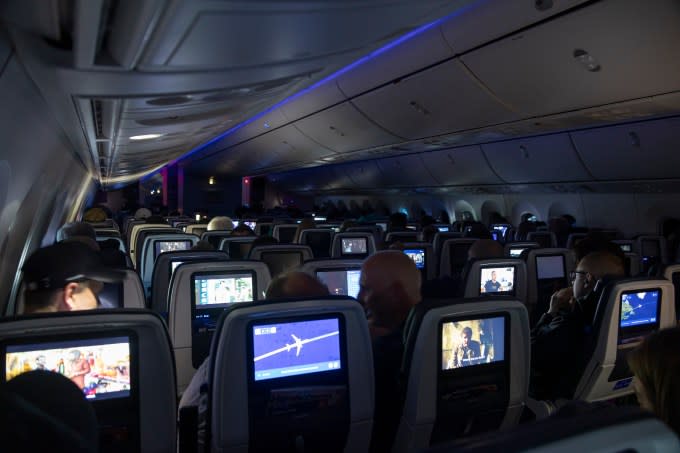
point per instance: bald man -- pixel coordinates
(558, 339)
(285, 286)
(389, 288)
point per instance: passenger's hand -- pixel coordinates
(562, 300)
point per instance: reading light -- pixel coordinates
(145, 136)
(211, 180)
(587, 60)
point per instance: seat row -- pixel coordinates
(313, 360)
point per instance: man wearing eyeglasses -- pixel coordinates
(557, 340)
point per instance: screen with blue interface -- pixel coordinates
(515, 252)
(639, 308)
(418, 257)
(443, 229)
(295, 348)
(341, 282)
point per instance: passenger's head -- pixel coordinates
(477, 230)
(593, 267)
(306, 224)
(94, 215)
(348, 224)
(45, 411)
(221, 223)
(485, 248)
(295, 284)
(397, 222)
(72, 229)
(390, 286)
(428, 233)
(596, 242)
(63, 277)
(203, 246)
(142, 213)
(656, 365)
(242, 230)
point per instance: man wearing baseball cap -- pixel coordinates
(63, 277)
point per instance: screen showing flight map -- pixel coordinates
(296, 348)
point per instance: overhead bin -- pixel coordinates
(283, 146)
(606, 52)
(343, 128)
(408, 56)
(213, 34)
(312, 179)
(488, 20)
(405, 171)
(363, 174)
(644, 150)
(459, 166)
(313, 100)
(549, 158)
(437, 101)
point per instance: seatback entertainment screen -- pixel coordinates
(295, 348)
(170, 246)
(418, 257)
(341, 282)
(497, 280)
(472, 342)
(354, 246)
(100, 367)
(220, 290)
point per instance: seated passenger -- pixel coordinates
(85, 233)
(285, 286)
(306, 224)
(203, 246)
(220, 223)
(242, 230)
(63, 277)
(390, 287)
(558, 339)
(596, 242)
(397, 222)
(656, 365)
(45, 411)
(484, 249)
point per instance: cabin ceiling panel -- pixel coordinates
(459, 166)
(439, 100)
(606, 52)
(536, 159)
(343, 128)
(416, 53)
(219, 34)
(485, 21)
(643, 150)
(405, 171)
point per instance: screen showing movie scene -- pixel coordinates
(99, 367)
(251, 224)
(353, 246)
(341, 282)
(171, 246)
(639, 308)
(220, 290)
(550, 267)
(383, 226)
(472, 342)
(296, 348)
(515, 252)
(497, 280)
(625, 247)
(418, 257)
